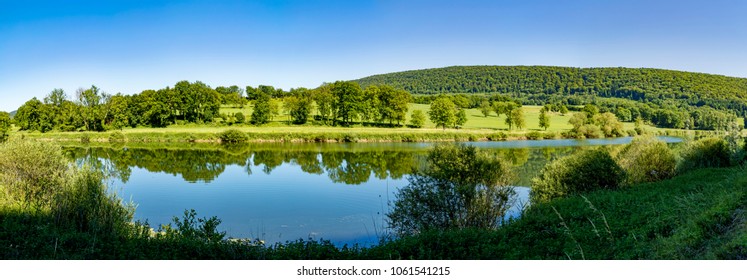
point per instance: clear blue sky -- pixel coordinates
(129, 46)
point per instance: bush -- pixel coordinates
(500, 136)
(240, 118)
(117, 137)
(647, 159)
(578, 173)
(589, 131)
(707, 152)
(460, 187)
(534, 135)
(232, 136)
(33, 173)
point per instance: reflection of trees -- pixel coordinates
(349, 164)
(195, 165)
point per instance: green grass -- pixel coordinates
(699, 215)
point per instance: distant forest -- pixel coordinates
(665, 98)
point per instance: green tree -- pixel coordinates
(324, 102)
(262, 111)
(485, 108)
(544, 120)
(591, 110)
(392, 104)
(118, 116)
(4, 126)
(460, 187)
(461, 118)
(515, 118)
(417, 118)
(441, 112)
(563, 110)
(348, 97)
(91, 113)
(609, 125)
(232, 95)
(371, 109)
(299, 104)
(34, 115)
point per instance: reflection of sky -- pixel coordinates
(286, 205)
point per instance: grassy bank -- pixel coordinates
(697, 215)
(283, 133)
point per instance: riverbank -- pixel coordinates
(212, 134)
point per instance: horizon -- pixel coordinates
(130, 46)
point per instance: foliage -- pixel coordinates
(485, 108)
(417, 118)
(348, 97)
(5, 123)
(544, 120)
(299, 104)
(262, 111)
(707, 152)
(33, 173)
(600, 125)
(34, 115)
(647, 159)
(441, 112)
(460, 187)
(198, 229)
(460, 118)
(538, 85)
(233, 136)
(117, 137)
(515, 118)
(575, 174)
(240, 118)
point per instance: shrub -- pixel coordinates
(460, 187)
(647, 159)
(707, 152)
(240, 118)
(85, 204)
(232, 136)
(500, 136)
(33, 173)
(550, 135)
(534, 135)
(589, 131)
(578, 173)
(85, 139)
(117, 137)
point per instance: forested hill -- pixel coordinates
(546, 82)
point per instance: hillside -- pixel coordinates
(538, 84)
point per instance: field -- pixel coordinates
(477, 128)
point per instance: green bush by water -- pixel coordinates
(647, 159)
(578, 173)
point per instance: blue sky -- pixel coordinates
(129, 46)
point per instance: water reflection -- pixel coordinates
(281, 192)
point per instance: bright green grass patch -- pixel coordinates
(699, 215)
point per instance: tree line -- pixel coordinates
(339, 103)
